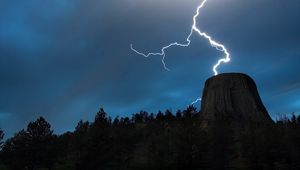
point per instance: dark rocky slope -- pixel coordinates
(233, 96)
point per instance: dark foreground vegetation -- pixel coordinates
(160, 141)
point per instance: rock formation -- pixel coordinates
(233, 96)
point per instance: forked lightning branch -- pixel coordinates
(194, 29)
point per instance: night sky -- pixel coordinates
(64, 59)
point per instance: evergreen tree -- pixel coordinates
(161, 141)
(1, 138)
(31, 148)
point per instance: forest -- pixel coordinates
(165, 140)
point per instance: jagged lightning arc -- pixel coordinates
(194, 28)
(196, 101)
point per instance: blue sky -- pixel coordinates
(64, 59)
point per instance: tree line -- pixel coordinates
(164, 140)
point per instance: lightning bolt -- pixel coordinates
(213, 43)
(196, 101)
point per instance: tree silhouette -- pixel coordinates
(155, 141)
(31, 148)
(39, 129)
(15, 150)
(1, 145)
(1, 138)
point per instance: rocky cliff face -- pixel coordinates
(233, 96)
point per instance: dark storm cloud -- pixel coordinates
(64, 59)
